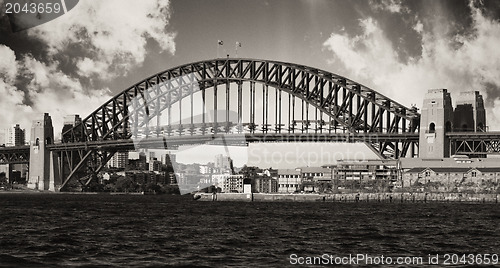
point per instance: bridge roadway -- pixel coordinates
(20, 154)
(243, 139)
(475, 143)
(467, 142)
(15, 155)
(490, 135)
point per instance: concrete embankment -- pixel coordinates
(353, 197)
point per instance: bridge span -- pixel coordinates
(237, 102)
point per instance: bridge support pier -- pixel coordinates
(41, 162)
(55, 179)
(435, 122)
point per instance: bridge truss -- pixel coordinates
(260, 99)
(15, 155)
(474, 143)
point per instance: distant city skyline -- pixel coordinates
(278, 155)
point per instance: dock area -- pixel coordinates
(351, 197)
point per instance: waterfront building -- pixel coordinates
(289, 180)
(311, 173)
(228, 183)
(314, 178)
(366, 174)
(456, 174)
(234, 184)
(263, 184)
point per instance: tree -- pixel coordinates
(125, 185)
(249, 172)
(3, 179)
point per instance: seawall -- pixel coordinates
(353, 197)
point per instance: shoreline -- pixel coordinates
(77, 193)
(405, 197)
(352, 197)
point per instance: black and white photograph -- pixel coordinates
(249, 133)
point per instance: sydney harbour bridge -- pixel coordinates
(234, 102)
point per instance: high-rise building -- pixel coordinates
(2, 137)
(14, 136)
(223, 163)
(69, 122)
(119, 160)
(168, 158)
(154, 165)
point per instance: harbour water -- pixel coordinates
(51, 230)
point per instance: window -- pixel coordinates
(473, 174)
(427, 173)
(432, 128)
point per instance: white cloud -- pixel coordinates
(11, 99)
(8, 64)
(58, 94)
(418, 27)
(113, 32)
(88, 67)
(111, 36)
(371, 59)
(393, 6)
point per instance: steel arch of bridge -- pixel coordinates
(339, 103)
(345, 101)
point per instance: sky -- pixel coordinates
(74, 63)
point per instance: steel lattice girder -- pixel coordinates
(318, 88)
(475, 142)
(91, 159)
(15, 155)
(344, 101)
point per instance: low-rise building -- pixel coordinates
(289, 180)
(265, 185)
(456, 174)
(379, 175)
(228, 183)
(314, 179)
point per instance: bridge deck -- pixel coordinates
(172, 142)
(15, 154)
(474, 135)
